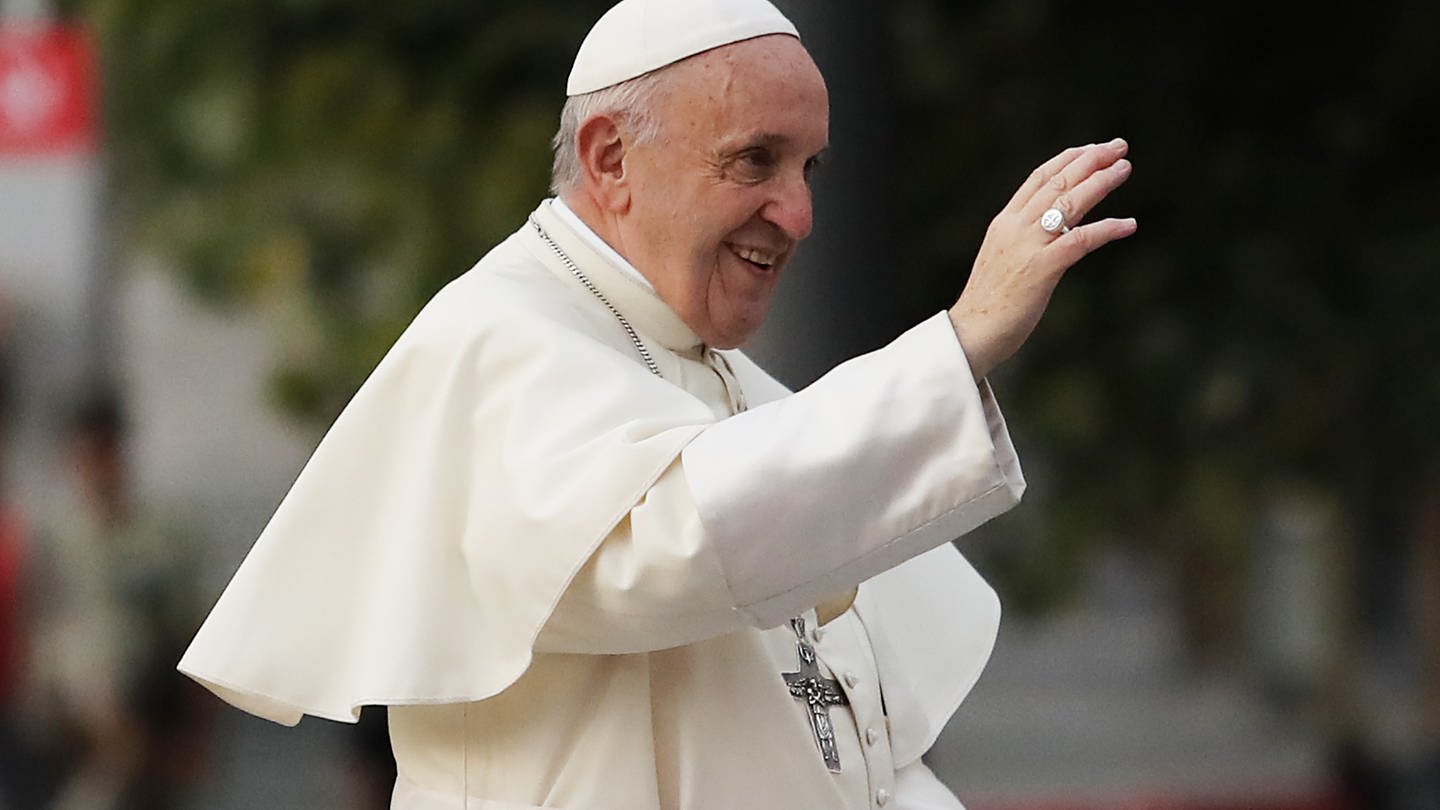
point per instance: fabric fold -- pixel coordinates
(425, 543)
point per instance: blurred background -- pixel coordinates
(1223, 590)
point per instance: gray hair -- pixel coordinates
(631, 103)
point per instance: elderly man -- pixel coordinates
(593, 557)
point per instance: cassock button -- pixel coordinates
(872, 735)
(852, 680)
(882, 797)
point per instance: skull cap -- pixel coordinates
(637, 36)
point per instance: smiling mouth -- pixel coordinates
(759, 258)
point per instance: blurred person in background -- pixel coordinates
(113, 603)
(15, 771)
(22, 772)
(587, 554)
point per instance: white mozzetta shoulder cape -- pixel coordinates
(512, 427)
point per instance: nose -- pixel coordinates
(791, 208)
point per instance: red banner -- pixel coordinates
(47, 90)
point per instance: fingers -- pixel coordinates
(1056, 182)
(1082, 240)
(1077, 203)
(1041, 176)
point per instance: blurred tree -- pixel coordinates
(337, 160)
(1281, 286)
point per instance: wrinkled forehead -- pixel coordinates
(769, 75)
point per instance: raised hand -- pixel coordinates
(1020, 261)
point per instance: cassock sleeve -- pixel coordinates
(830, 508)
(887, 456)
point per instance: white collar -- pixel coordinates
(595, 242)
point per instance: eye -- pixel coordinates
(760, 158)
(753, 165)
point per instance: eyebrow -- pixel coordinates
(773, 140)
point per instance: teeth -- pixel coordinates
(756, 255)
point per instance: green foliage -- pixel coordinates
(334, 159)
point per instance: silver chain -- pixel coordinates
(599, 296)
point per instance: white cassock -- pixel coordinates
(572, 579)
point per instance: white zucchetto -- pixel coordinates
(637, 36)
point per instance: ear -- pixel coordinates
(602, 148)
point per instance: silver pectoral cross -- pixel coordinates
(818, 695)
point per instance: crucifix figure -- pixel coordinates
(818, 693)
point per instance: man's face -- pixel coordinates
(721, 199)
